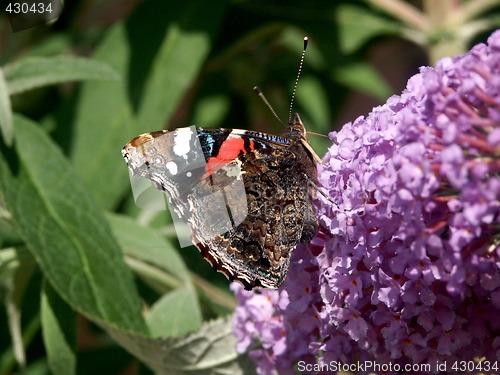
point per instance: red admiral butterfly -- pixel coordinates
(246, 195)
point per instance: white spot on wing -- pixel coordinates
(172, 168)
(233, 169)
(182, 142)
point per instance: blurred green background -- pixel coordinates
(150, 65)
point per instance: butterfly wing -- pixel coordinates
(245, 195)
(257, 250)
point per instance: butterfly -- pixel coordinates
(246, 195)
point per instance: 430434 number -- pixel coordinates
(24, 8)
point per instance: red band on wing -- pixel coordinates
(229, 150)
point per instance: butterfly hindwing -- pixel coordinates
(256, 252)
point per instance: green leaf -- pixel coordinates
(15, 287)
(6, 125)
(362, 77)
(357, 25)
(59, 332)
(210, 350)
(8, 234)
(145, 245)
(161, 60)
(313, 99)
(175, 314)
(211, 110)
(33, 72)
(52, 44)
(67, 234)
(7, 362)
(179, 58)
(38, 367)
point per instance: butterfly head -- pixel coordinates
(295, 129)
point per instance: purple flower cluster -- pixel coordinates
(406, 268)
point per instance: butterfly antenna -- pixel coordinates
(266, 102)
(297, 79)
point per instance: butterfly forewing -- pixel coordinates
(246, 195)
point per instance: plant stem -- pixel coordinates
(444, 38)
(404, 12)
(475, 8)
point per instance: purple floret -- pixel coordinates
(406, 266)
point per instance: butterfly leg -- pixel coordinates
(320, 189)
(310, 225)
